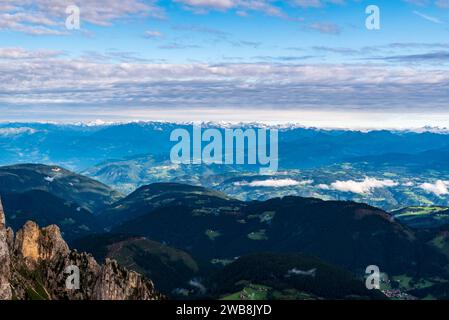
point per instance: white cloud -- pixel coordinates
(362, 187)
(442, 4)
(49, 179)
(47, 17)
(427, 17)
(216, 4)
(275, 183)
(42, 78)
(20, 53)
(241, 6)
(316, 3)
(324, 27)
(197, 284)
(7, 132)
(153, 34)
(439, 187)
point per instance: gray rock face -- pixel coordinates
(117, 283)
(40, 258)
(5, 262)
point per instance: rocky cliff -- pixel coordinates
(38, 264)
(5, 261)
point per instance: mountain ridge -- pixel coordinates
(61, 182)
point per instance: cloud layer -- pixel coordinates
(47, 17)
(49, 78)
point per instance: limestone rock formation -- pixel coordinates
(116, 283)
(34, 245)
(38, 264)
(5, 272)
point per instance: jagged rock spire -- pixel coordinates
(5, 262)
(2, 216)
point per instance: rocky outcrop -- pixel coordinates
(110, 284)
(5, 272)
(34, 245)
(38, 264)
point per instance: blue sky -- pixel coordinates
(287, 60)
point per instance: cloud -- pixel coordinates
(47, 17)
(153, 34)
(299, 272)
(418, 2)
(415, 45)
(388, 49)
(251, 44)
(324, 27)
(282, 58)
(240, 6)
(178, 46)
(316, 3)
(20, 53)
(274, 183)
(339, 50)
(444, 4)
(439, 188)
(123, 79)
(8, 132)
(423, 57)
(196, 283)
(201, 29)
(362, 187)
(215, 4)
(427, 17)
(113, 56)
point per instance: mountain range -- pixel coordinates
(188, 239)
(340, 201)
(386, 169)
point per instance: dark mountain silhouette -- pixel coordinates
(174, 233)
(160, 195)
(45, 208)
(347, 234)
(86, 192)
(285, 273)
(168, 267)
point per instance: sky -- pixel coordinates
(313, 62)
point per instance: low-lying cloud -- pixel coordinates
(8, 132)
(438, 188)
(274, 183)
(367, 186)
